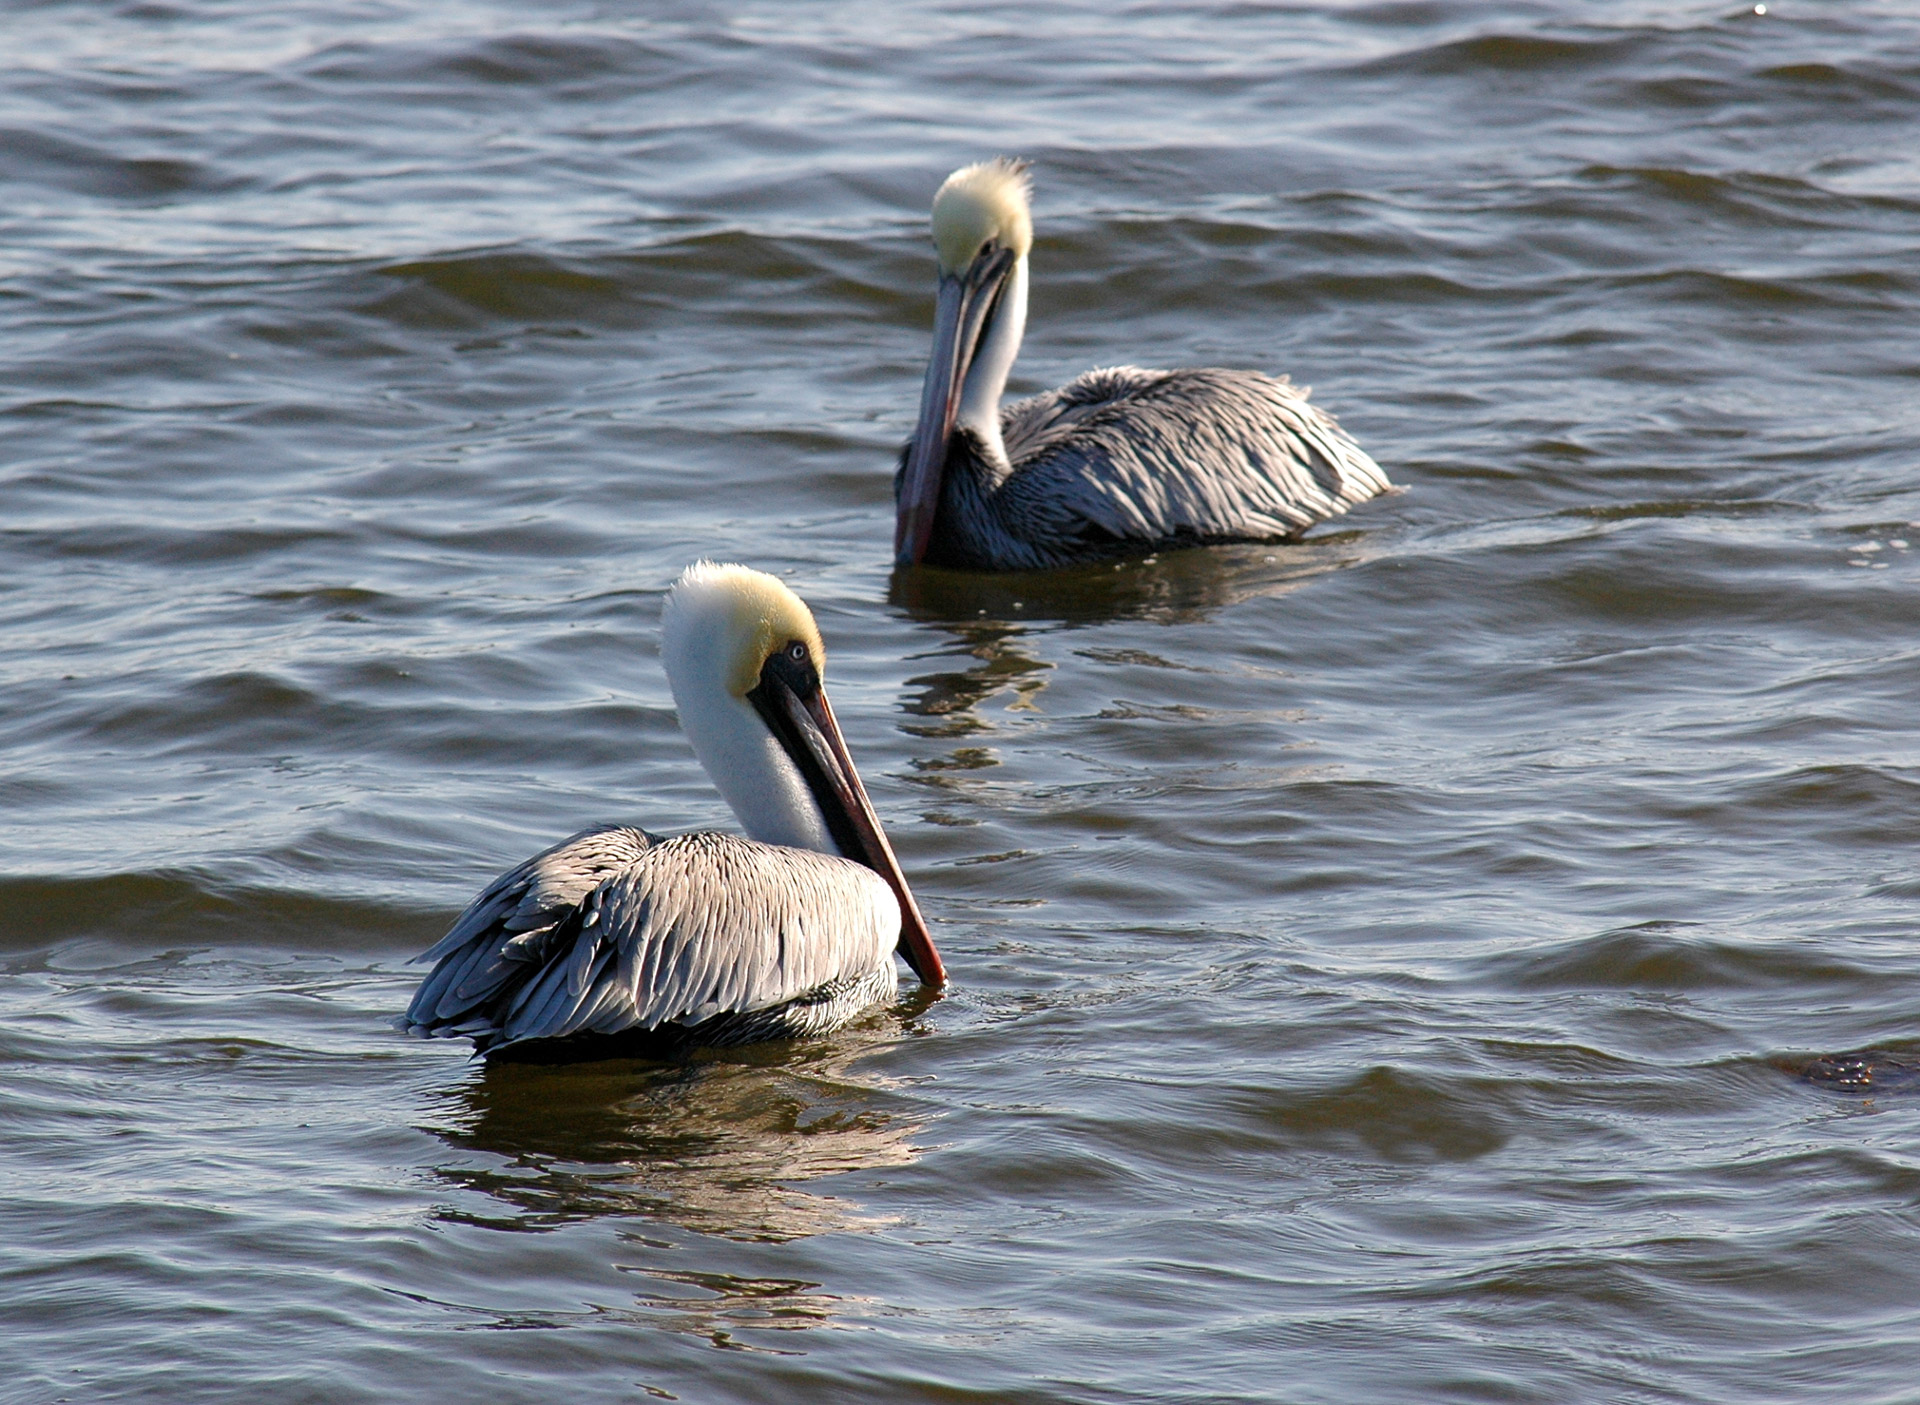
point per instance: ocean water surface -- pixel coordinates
(1387, 967)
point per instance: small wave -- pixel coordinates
(1760, 198)
(340, 601)
(164, 544)
(505, 60)
(1511, 53)
(1395, 1114)
(87, 169)
(448, 292)
(1849, 805)
(1855, 290)
(1669, 957)
(165, 909)
(230, 709)
(793, 278)
(1686, 507)
(1832, 81)
(1815, 88)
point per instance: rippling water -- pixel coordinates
(1384, 965)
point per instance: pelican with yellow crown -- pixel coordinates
(1116, 462)
(618, 939)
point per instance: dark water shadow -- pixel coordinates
(723, 1142)
(1167, 587)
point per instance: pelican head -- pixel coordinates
(744, 658)
(982, 231)
(985, 203)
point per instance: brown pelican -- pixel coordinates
(1118, 461)
(621, 937)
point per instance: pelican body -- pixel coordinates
(618, 938)
(1117, 461)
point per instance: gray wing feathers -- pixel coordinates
(711, 924)
(514, 920)
(684, 930)
(1169, 455)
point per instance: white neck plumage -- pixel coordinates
(755, 775)
(993, 359)
(747, 765)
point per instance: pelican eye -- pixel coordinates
(797, 651)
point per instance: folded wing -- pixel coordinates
(1132, 455)
(615, 931)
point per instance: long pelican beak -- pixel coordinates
(959, 313)
(790, 698)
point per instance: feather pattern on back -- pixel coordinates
(615, 931)
(1124, 460)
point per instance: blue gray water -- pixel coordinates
(1384, 966)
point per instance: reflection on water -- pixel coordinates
(1168, 587)
(718, 1306)
(993, 617)
(715, 1143)
(948, 699)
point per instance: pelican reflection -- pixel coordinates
(722, 1143)
(996, 622)
(948, 701)
(1177, 588)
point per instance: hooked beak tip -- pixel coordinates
(841, 792)
(925, 960)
